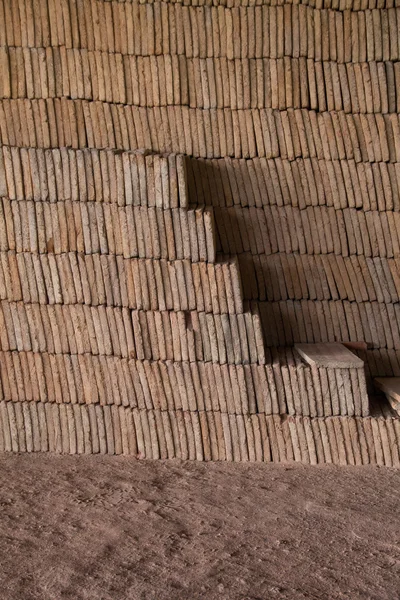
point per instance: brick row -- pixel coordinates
(151, 335)
(284, 385)
(288, 322)
(92, 228)
(143, 284)
(121, 177)
(31, 427)
(211, 133)
(302, 182)
(313, 230)
(206, 31)
(128, 178)
(320, 277)
(167, 80)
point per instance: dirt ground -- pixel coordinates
(114, 528)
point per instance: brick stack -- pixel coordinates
(151, 300)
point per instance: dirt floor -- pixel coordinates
(114, 528)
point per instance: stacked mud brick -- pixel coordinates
(198, 201)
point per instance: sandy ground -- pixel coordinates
(112, 528)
